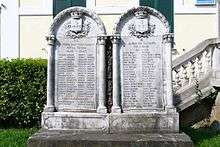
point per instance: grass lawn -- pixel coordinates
(204, 137)
(15, 137)
(18, 137)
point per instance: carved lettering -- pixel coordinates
(76, 74)
(142, 76)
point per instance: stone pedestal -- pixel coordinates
(77, 122)
(71, 139)
(153, 122)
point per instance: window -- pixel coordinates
(60, 5)
(164, 6)
(205, 2)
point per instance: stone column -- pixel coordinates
(102, 75)
(116, 75)
(216, 57)
(168, 38)
(50, 75)
(215, 81)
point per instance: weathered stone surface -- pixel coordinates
(142, 52)
(142, 73)
(75, 69)
(145, 60)
(76, 74)
(152, 122)
(141, 83)
(78, 122)
(70, 139)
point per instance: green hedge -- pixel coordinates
(22, 91)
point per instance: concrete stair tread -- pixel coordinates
(45, 138)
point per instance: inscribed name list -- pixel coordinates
(76, 73)
(142, 73)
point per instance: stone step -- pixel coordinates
(45, 138)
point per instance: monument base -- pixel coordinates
(151, 122)
(46, 138)
(77, 122)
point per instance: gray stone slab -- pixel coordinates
(152, 122)
(144, 51)
(142, 59)
(142, 73)
(74, 61)
(76, 75)
(78, 122)
(46, 138)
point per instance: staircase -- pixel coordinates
(196, 74)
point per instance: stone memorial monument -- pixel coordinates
(142, 114)
(142, 82)
(76, 73)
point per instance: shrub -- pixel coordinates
(22, 91)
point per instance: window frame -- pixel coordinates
(206, 3)
(56, 7)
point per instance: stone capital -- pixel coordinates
(115, 39)
(50, 40)
(49, 109)
(168, 38)
(101, 40)
(217, 45)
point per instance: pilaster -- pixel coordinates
(116, 75)
(50, 74)
(102, 75)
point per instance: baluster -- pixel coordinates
(173, 77)
(208, 60)
(192, 77)
(185, 79)
(177, 79)
(199, 64)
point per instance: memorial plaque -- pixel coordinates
(76, 63)
(76, 73)
(142, 63)
(142, 73)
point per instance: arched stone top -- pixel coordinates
(131, 13)
(67, 13)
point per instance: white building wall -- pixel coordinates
(24, 23)
(23, 27)
(110, 10)
(35, 18)
(9, 29)
(194, 23)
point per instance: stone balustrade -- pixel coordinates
(196, 70)
(195, 64)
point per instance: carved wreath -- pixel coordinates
(71, 34)
(138, 34)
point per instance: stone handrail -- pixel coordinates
(196, 64)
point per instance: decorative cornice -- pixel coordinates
(75, 10)
(143, 9)
(217, 45)
(101, 40)
(50, 40)
(141, 14)
(115, 39)
(76, 14)
(168, 38)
